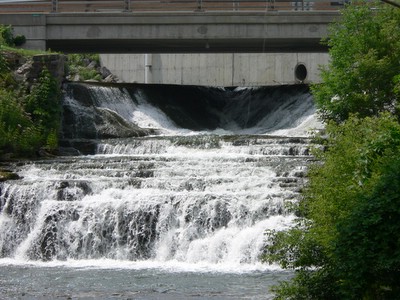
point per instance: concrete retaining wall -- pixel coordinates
(218, 69)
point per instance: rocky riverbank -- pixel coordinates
(20, 76)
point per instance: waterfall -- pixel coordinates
(219, 168)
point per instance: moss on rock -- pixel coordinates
(8, 175)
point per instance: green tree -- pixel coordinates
(364, 48)
(346, 244)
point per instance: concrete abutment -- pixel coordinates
(217, 69)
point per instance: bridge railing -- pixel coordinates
(61, 6)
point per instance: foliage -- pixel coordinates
(7, 37)
(83, 59)
(17, 132)
(19, 40)
(42, 104)
(346, 244)
(78, 64)
(372, 232)
(3, 65)
(29, 119)
(396, 81)
(365, 58)
(87, 74)
(23, 52)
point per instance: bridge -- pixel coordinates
(172, 26)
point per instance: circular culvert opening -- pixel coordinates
(300, 72)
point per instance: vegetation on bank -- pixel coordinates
(29, 116)
(84, 67)
(346, 241)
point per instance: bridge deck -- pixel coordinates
(172, 26)
(62, 6)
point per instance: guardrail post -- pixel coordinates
(54, 4)
(127, 5)
(235, 4)
(299, 5)
(199, 4)
(271, 5)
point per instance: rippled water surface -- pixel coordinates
(61, 282)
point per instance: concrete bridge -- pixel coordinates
(201, 42)
(265, 29)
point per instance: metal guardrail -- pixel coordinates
(65, 6)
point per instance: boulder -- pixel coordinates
(8, 175)
(30, 71)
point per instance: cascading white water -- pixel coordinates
(196, 201)
(157, 200)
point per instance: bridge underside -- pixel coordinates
(174, 33)
(276, 45)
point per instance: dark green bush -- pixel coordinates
(19, 40)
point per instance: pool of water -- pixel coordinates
(94, 282)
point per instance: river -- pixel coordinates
(177, 214)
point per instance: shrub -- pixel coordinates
(43, 104)
(4, 69)
(6, 35)
(78, 65)
(19, 40)
(17, 132)
(365, 59)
